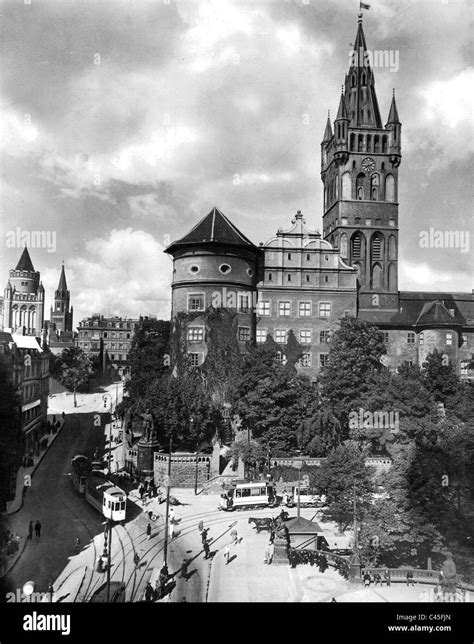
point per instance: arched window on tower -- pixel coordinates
(356, 247)
(392, 278)
(353, 80)
(376, 249)
(392, 247)
(376, 143)
(343, 245)
(360, 185)
(369, 143)
(346, 186)
(23, 316)
(364, 79)
(352, 142)
(376, 281)
(384, 144)
(15, 317)
(389, 188)
(360, 146)
(374, 187)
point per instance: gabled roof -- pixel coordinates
(27, 342)
(419, 308)
(24, 263)
(300, 525)
(213, 228)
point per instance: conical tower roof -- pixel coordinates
(213, 228)
(25, 263)
(62, 286)
(393, 114)
(328, 131)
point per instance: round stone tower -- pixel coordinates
(216, 266)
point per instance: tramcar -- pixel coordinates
(307, 497)
(106, 497)
(248, 495)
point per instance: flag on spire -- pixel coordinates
(362, 5)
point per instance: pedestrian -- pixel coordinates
(201, 526)
(63, 415)
(171, 515)
(38, 529)
(386, 576)
(207, 550)
(184, 569)
(269, 551)
(136, 559)
(170, 530)
(377, 579)
(148, 531)
(204, 535)
(367, 579)
(234, 536)
(227, 554)
(410, 579)
(30, 530)
(141, 491)
(148, 592)
(77, 545)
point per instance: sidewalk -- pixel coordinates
(14, 505)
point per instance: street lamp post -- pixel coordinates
(355, 566)
(168, 484)
(299, 465)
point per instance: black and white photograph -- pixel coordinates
(236, 319)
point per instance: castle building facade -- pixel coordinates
(301, 283)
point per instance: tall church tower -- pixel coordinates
(359, 170)
(23, 309)
(61, 316)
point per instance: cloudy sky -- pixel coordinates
(123, 123)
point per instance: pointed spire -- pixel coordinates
(342, 112)
(328, 131)
(393, 114)
(62, 286)
(24, 263)
(361, 99)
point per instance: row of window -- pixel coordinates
(289, 278)
(196, 302)
(304, 309)
(109, 325)
(113, 345)
(195, 359)
(305, 336)
(196, 334)
(411, 338)
(114, 334)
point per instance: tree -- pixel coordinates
(355, 353)
(440, 376)
(73, 368)
(250, 452)
(271, 400)
(341, 476)
(148, 357)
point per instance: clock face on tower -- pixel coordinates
(368, 164)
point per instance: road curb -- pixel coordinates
(35, 467)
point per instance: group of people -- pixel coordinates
(378, 580)
(148, 490)
(37, 529)
(153, 594)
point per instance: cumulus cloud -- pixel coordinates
(126, 273)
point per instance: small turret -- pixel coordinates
(341, 125)
(394, 126)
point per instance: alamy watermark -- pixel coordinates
(32, 238)
(445, 239)
(388, 58)
(362, 419)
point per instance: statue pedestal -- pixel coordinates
(145, 453)
(281, 551)
(355, 576)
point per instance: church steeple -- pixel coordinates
(62, 286)
(328, 131)
(359, 170)
(360, 97)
